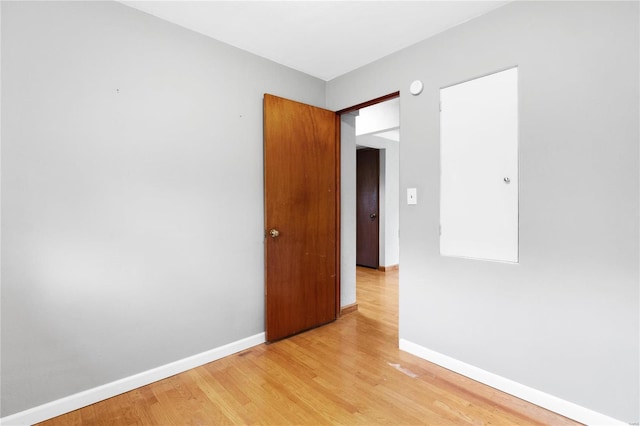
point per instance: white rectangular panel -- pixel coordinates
(479, 168)
(412, 196)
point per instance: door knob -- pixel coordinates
(372, 216)
(274, 233)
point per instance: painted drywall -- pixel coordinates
(565, 320)
(347, 209)
(389, 214)
(132, 209)
(377, 117)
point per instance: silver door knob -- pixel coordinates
(507, 180)
(274, 233)
(372, 216)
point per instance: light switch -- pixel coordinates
(412, 196)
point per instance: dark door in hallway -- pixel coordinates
(367, 207)
(301, 192)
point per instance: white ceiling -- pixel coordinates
(322, 38)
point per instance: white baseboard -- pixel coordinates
(91, 396)
(534, 396)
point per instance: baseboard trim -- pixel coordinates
(348, 309)
(109, 390)
(534, 396)
(389, 268)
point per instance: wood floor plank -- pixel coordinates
(349, 372)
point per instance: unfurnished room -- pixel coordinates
(320, 212)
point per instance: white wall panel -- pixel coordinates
(479, 168)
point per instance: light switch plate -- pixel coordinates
(412, 196)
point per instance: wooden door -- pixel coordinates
(301, 194)
(367, 207)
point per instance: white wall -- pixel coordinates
(347, 209)
(377, 117)
(565, 320)
(132, 210)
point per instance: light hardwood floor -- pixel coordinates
(348, 372)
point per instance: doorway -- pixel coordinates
(375, 125)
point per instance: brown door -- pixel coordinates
(301, 166)
(367, 223)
